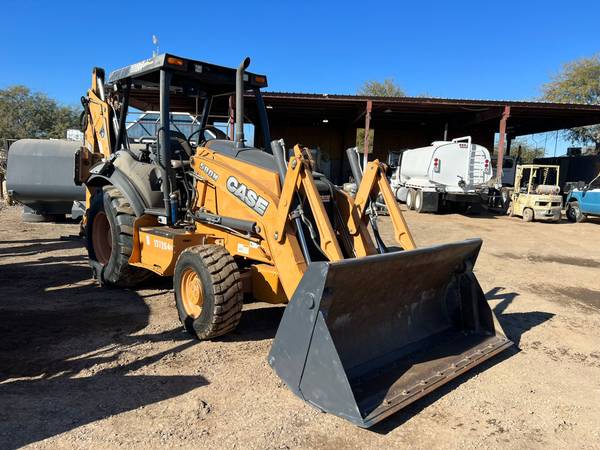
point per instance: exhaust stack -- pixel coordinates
(239, 103)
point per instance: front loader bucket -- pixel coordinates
(362, 338)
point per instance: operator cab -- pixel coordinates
(201, 89)
(169, 85)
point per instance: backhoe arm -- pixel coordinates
(97, 131)
(97, 116)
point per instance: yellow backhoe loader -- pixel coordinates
(367, 329)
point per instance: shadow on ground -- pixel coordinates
(517, 323)
(258, 323)
(66, 348)
(36, 246)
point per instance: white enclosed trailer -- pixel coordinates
(445, 172)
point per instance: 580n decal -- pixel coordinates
(208, 171)
(247, 195)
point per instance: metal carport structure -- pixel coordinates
(330, 121)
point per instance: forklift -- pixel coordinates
(536, 194)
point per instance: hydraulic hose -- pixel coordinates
(357, 174)
(278, 152)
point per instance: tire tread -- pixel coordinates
(226, 289)
(122, 273)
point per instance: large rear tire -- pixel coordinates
(208, 291)
(109, 238)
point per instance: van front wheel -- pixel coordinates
(574, 213)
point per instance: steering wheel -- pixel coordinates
(208, 133)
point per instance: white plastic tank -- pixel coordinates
(451, 166)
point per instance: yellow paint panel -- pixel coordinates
(266, 286)
(160, 247)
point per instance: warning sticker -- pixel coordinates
(243, 249)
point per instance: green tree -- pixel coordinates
(578, 82)
(385, 88)
(26, 114)
(523, 150)
(360, 139)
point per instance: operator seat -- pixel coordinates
(180, 145)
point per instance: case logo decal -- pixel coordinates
(247, 195)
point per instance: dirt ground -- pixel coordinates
(83, 366)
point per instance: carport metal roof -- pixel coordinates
(526, 117)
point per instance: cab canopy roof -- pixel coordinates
(191, 80)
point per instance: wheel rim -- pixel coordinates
(102, 238)
(190, 288)
(409, 199)
(417, 200)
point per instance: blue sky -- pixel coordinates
(469, 49)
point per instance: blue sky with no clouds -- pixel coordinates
(468, 49)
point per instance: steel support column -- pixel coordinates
(367, 129)
(164, 142)
(122, 141)
(264, 121)
(502, 143)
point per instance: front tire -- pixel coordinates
(208, 291)
(109, 238)
(528, 215)
(574, 213)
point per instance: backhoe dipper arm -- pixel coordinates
(97, 131)
(374, 180)
(97, 110)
